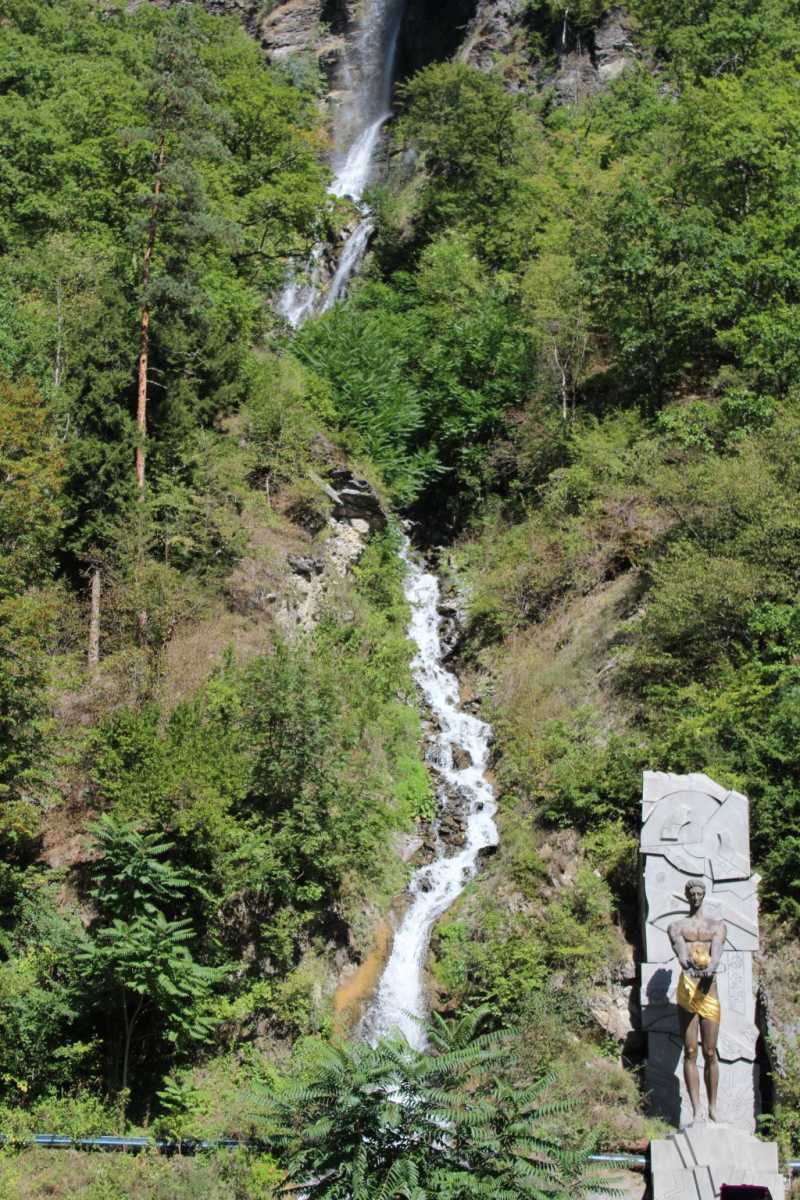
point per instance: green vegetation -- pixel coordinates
(572, 355)
(619, 462)
(365, 1121)
(377, 1121)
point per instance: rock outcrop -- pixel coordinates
(322, 558)
(306, 27)
(575, 62)
(433, 32)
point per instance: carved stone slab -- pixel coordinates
(733, 901)
(739, 1083)
(695, 1163)
(692, 828)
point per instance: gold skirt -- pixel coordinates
(694, 999)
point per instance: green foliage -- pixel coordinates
(363, 361)
(719, 38)
(87, 99)
(132, 875)
(40, 992)
(30, 503)
(488, 951)
(31, 467)
(135, 957)
(377, 1121)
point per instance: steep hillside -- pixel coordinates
(568, 361)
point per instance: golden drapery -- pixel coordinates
(695, 999)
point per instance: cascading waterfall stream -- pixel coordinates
(399, 1002)
(369, 74)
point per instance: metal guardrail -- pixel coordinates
(60, 1141)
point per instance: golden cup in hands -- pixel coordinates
(700, 957)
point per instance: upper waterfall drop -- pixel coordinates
(400, 1002)
(369, 71)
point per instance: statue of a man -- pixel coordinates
(698, 941)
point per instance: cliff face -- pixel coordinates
(536, 54)
(493, 35)
(292, 28)
(434, 31)
(307, 27)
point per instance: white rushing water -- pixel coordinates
(369, 78)
(400, 1000)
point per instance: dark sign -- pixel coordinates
(743, 1191)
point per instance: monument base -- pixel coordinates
(694, 1163)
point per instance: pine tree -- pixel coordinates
(183, 124)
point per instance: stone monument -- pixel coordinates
(700, 932)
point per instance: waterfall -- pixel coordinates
(368, 70)
(400, 998)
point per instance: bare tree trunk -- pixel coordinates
(94, 622)
(144, 327)
(129, 1022)
(562, 370)
(59, 363)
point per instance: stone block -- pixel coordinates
(739, 1091)
(696, 825)
(694, 1163)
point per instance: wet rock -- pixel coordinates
(451, 797)
(449, 637)
(432, 32)
(462, 759)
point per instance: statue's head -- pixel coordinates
(695, 891)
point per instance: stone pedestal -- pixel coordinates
(695, 1163)
(693, 828)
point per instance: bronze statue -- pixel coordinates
(698, 941)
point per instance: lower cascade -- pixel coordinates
(400, 1002)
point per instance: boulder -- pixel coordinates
(355, 499)
(306, 565)
(462, 759)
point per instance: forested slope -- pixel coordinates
(590, 314)
(571, 360)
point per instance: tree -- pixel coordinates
(145, 963)
(379, 1122)
(136, 959)
(183, 125)
(31, 473)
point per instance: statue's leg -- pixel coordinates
(690, 1028)
(710, 1031)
